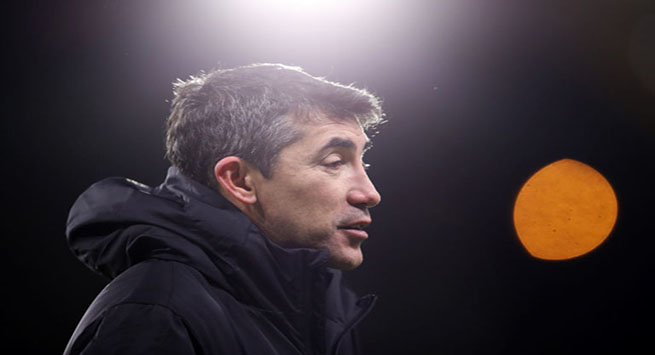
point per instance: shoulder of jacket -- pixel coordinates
(154, 298)
(133, 328)
(167, 283)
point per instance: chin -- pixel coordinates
(348, 261)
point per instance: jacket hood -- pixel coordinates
(118, 222)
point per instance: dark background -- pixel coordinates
(479, 96)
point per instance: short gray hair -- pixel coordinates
(248, 112)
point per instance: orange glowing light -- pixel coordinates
(564, 210)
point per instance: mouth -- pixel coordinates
(356, 228)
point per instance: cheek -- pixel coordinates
(315, 200)
(303, 192)
(312, 200)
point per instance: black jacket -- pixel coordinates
(192, 275)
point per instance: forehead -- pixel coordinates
(345, 134)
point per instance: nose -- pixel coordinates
(363, 194)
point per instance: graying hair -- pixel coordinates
(249, 112)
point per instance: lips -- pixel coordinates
(356, 228)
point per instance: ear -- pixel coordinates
(235, 177)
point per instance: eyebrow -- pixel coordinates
(339, 142)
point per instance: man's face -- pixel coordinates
(318, 194)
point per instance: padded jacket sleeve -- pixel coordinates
(132, 328)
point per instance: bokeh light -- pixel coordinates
(564, 210)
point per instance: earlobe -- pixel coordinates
(233, 175)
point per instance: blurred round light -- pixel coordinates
(564, 210)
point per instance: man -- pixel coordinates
(238, 251)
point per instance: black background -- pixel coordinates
(479, 95)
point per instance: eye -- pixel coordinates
(333, 161)
(334, 164)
